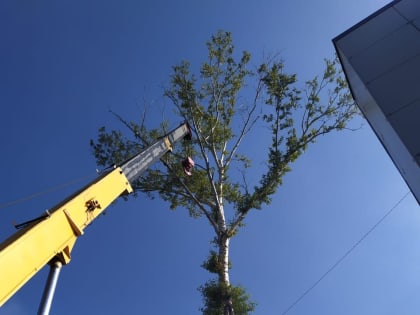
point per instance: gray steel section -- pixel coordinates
(134, 167)
(179, 133)
(141, 162)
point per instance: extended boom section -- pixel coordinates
(139, 163)
(52, 237)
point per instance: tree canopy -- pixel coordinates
(224, 102)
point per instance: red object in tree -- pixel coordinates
(188, 164)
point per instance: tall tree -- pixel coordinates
(223, 105)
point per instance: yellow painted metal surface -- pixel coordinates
(168, 143)
(32, 247)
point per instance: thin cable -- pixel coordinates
(43, 192)
(347, 253)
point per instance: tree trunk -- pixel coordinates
(224, 280)
(223, 243)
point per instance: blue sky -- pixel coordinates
(64, 64)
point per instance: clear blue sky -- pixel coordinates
(64, 64)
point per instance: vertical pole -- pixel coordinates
(47, 297)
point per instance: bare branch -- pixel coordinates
(247, 126)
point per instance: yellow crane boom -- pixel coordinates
(51, 237)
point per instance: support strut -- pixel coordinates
(47, 297)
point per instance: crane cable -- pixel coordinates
(43, 192)
(346, 254)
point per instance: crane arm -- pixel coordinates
(53, 236)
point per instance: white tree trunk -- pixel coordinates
(224, 242)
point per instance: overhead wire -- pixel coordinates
(44, 192)
(346, 254)
(295, 302)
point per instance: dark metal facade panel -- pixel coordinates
(407, 123)
(367, 19)
(371, 32)
(392, 50)
(397, 88)
(381, 60)
(409, 9)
